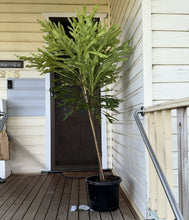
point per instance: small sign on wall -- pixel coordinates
(11, 64)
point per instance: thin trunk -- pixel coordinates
(102, 178)
(96, 146)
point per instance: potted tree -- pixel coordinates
(86, 64)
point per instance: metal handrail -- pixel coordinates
(3, 120)
(159, 171)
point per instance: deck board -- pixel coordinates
(106, 216)
(8, 181)
(74, 200)
(12, 199)
(53, 208)
(34, 189)
(64, 204)
(22, 200)
(95, 216)
(43, 208)
(9, 186)
(51, 197)
(117, 215)
(84, 215)
(32, 210)
(125, 209)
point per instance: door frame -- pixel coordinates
(102, 17)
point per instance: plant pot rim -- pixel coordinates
(90, 180)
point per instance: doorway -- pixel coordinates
(72, 144)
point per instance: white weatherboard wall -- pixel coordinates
(20, 34)
(127, 146)
(170, 50)
(156, 72)
(170, 47)
(26, 124)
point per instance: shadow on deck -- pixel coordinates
(51, 197)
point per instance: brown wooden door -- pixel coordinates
(72, 140)
(74, 145)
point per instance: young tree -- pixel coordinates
(86, 64)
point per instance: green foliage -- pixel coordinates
(85, 63)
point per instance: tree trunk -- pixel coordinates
(102, 178)
(96, 146)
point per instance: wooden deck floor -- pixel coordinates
(51, 197)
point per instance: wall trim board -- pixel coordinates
(72, 14)
(48, 123)
(147, 52)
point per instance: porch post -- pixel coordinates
(182, 140)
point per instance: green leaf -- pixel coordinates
(86, 64)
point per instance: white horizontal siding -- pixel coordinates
(129, 128)
(170, 6)
(128, 88)
(16, 27)
(27, 143)
(132, 100)
(128, 163)
(26, 98)
(131, 73)
(3, 88)
(175, 74)
(127, 147)
(58, 2)
(133, 190)
(170, 56)
(20, 37)
(17, 46)
(170, 49)
(16, 18)
(162, 22)
(162, 91)
(40, 8)
(170, 39)
(130, 142)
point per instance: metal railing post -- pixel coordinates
(159, 171)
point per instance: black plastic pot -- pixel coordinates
(103, 196)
